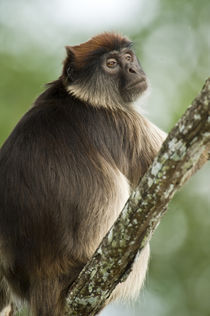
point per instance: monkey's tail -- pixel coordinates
(47, 298)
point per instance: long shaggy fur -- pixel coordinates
(66, 171)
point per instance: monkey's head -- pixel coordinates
(104, 72)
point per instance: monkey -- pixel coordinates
(66, 171)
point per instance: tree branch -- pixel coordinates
(112, 261)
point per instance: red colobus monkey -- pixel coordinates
(67, 170)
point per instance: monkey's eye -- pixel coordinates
(111, 62)
(128, 57)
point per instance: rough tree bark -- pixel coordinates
(112, 261)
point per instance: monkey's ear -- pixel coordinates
(69, 63)
(70, 52)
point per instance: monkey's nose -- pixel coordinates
(131, 70)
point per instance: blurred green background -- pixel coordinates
(173, 44)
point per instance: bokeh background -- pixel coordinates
(173, 44)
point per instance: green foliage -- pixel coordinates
(19, 86)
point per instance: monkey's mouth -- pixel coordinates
(140, 84)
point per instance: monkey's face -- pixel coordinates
(109, 75)
(129, 78)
